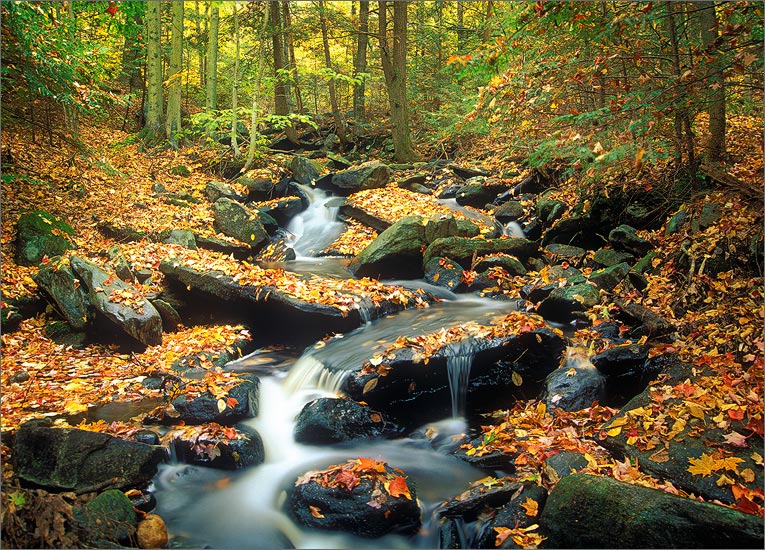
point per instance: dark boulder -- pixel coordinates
(132, 313)
(550, 210)
(69, 459)
(369, 175)
(510, 264)
(608, 278)
(367, 501)
(39, 234)
(578, 230)
(587, 511)
(621, 360)
(564, 464)
(204, 408)
(564, 304)
(559, 253)
(183, 237)
(221, 448)
(304, 170)
(260, 189)
(608, 257)
(467, 172)
(512, 515)
(120, 264)
(509, 211)
(283, 210)
(643, 320)
(328, 420)
(461, 249)
(237, 221)
(476, 193)
(57, 281)
(214, 190)
(395, 253)
(573, 388)
(443, 272)
(625, 238)
(441, 226)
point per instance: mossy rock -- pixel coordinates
(41, 234)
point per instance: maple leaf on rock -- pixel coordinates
(398, 488)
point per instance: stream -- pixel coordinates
(205, 507)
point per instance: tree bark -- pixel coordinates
(254, 134)
(235, 86)
(211, 96)
(281, 100)
(460, 26)
(360, 67)
(153, 126)
(683, 132)
(336, 115)
(289, 44)
(173, 122)
(715, 81)
(393, 59)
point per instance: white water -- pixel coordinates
(316, 227)
(459, 360)
(202, 506)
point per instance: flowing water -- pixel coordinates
(205, 507)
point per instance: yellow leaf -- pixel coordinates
(613, 432)
(695, 410)
(730, 463)
(531, 506)
(370, 385)
(724, 480)
(618, 421)
(757, 457)
(702, 466)
(221, 405)
(747, 475)
(72, 407)
(517, 379)
(316, 512)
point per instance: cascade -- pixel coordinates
(317, 226)
(459, 360)
(513, 229)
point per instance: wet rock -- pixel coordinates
(107, 518)
(358, 503)
(644, 321)
(476, 193)
(586, 511)
(304, 170)
(369, 175)
(259, 189)
(608, 277)
(467, 172)
(608, 257)
(121, 266)
(283, 211)
(204, 408)
(511, 264)
(39, 234)
(676, 221)
(645, 264)
(237, 221)
(511, 515)
(339, 162)
(415, 179)
(559, 253)
(443, 272)
(231, 449)
(183, 237)
(710, 214)
(625, 238)
(57, 281)
(439, 227)
(277, 250)
(573, 388)
(142, 323)
(171, 319)
(576, 230)
(69, 459)
(550, 210)
(621, 360)
(509, 211)
(395, 253)
(328, 420)
(414, 392)
(215, 190)
(479, 500)
(461, 249)
(563, 304)
(564, 464)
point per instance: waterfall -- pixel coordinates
(459, 359)
(317, 226)
(513, 229)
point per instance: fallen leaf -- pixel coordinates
(531, 506)
(398, 488)
(316, 512)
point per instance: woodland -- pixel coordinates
(391, 274)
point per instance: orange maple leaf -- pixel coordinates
(370, 464)
(348, 479)
(702, 466)
(398, 487)
(531, 506)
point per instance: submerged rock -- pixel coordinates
(327, 420)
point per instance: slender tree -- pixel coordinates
(235, 87)
(359, 68)
(281, 99)
(211, 78)
(714, 79)
(153, 127)
(393, 57)
(336, 115)
(289, 47)
(173, 122)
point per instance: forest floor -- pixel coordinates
(719, 318)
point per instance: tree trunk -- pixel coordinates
(460, 26)
(394, 67)
(281, 101)
(211, 78)
(289, 44)
(683, 133)
(487, 22)
(715, 81)
(200, 42)
(359, 67)
(131, 54)
(153, 127)
(339, 122)
(173, 122)
(235, 86)
(254, 134)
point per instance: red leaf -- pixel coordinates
(348, 479)
(112, 9)
(398, 488)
